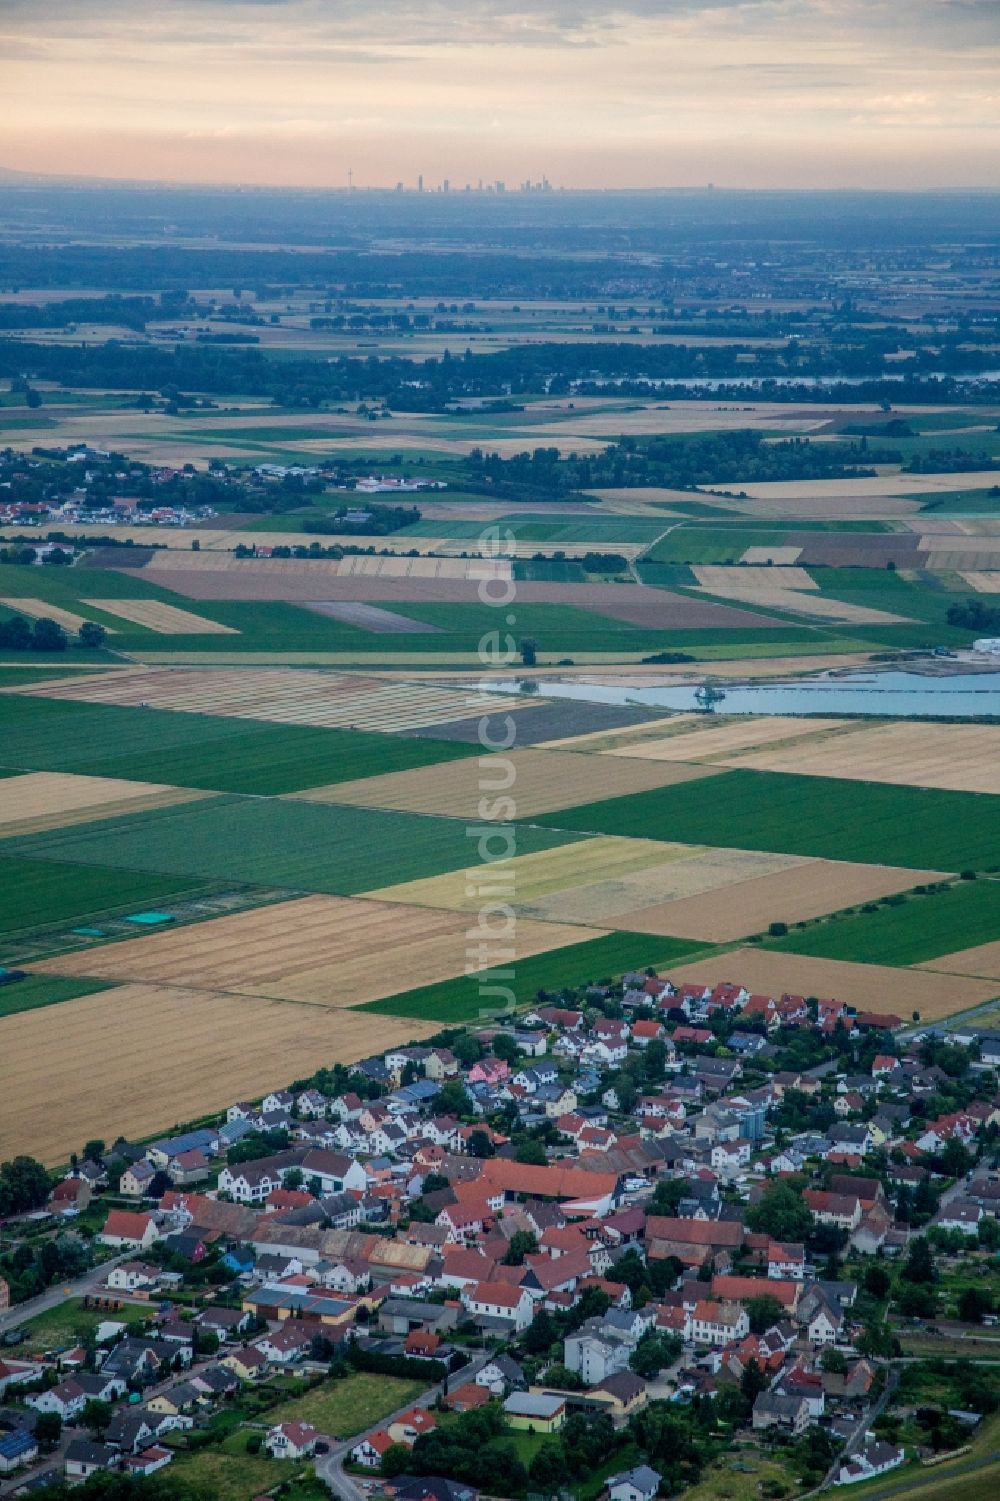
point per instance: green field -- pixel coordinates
(344, 1408)
(36, 991)
(819, 816)
(199, 750)
(35, 893)
(923, 927)
(228, 1475)
(694, 542)
(461, 999)
(304, 846)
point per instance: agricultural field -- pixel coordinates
(40, 800)
(925, 927)
(516, 785)
(35, 991)
(199, 751)
(163, 619)
(233, 1047)
(318, 951)
(820, 816)
(795, 894)
(958, 757)
(692, 737)
(304, 846)
(868, 987)
(472, 997)
(326, 699)
(35, 893)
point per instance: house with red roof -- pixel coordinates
(127, 1230)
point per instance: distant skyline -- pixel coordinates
(638, 94)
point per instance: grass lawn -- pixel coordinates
(35, 893)
(461, 999)
(721, 1482)
(44, 990)
(63, 1325)
(227, 1476)
(820, 816)
(923, 927)
(343, 1408)
(304, 846)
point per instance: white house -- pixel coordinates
(500, 1300)
(640, 1484)
(291, 1440)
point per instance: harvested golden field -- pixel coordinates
(335, 952)
(791, 589)
(42, 800)
(424, 568)
(698, 738)
(869, 987)
(808, 889)
(983, 583)
(40, 609)
(869, 487)
(163, 619)
(313, 698)
(517, 785)
(959, 757)
(983, 959)
(526, 878)
(686, 871)
(597, 741)
(776, 555)
(750, 583)
(96, 1065)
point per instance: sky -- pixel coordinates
(591, 93)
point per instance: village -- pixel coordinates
(638, 1233)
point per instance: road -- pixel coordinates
(330, 1467)
(60, 1292)
(866, 1421)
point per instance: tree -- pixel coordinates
(653, 1352)
(24, 1185)
(47, 636)
(467, 1049)
(919, 1265)
(529, 651)
(32, 398)
(92, 635)
(753, 1381)
(395, 1461)
(974, 1304)
(48, 1431)
(521, 1244)
(548, 1468)
(97, 1415)
(480, 1144)
(763, 1312)
(877, 1282)
(917, 1300)
(781, 1213)
(506, 1048)
(94, 1149)
(531, 1151)
(540, 1335)
(833, 1361)
(452, 1098)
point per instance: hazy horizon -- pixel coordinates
(648, 94)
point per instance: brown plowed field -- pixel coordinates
(959, 757)
(137, 1059)
(807, 890)
(42, 800)
(334, 952)
(535, 781)
(869, 987)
